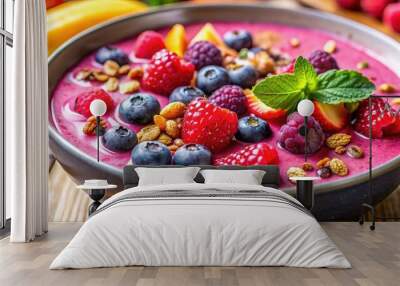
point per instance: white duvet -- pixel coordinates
(189, 231)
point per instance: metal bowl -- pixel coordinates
(335, 200)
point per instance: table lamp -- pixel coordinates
(305, 108)
(98, 108)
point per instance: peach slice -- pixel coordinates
(176, 41)
(332, 117)
(208, 33)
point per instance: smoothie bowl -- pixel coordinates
(221, 87)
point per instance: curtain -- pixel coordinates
(26, 123)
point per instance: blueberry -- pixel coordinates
(151, 153)
(185, 94)
(110, 53)
(238, 39)
(244, 76)
(119, 139)
(252, 129)
(139, 108)
(192, 154)
(211, 78)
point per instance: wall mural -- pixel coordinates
(226, 94)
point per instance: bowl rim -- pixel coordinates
(305, 12)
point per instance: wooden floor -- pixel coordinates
(375, 257)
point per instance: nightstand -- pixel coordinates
(96, 190)
(305, 190)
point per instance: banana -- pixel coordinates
(69, 18)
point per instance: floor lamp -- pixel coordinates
(98, 108)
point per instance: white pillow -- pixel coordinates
(166, 176)
(247, 177)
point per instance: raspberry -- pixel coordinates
(148, 43)
(292, 135)
(256, 154)
(83, 100)
(375, 8)
(209, 125)
(203, 54)
(166, 72)
(392, 16)
(322, 61)
(230, 97)
(383, 121)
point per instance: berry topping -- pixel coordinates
(256, 154)
(323, 61)
(375, 8)
(238, 39)
(209, 125)
(292, 135)
(108, 53)
(185, 94)
(331, 117)
(384, 123)
(84, 99)
(392, 16)
(258, 108)
(151, 153)
(211, 78)
(139, 108)
(166, 72)
(230, 97)
(252, 129)
(148, 43)
(202, 54)
(244, 76)
(119, 139)
(192, 154)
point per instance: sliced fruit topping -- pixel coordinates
(203, 53)
(258, 108)
(230, 97)
(148, 43)
(192, 154)
(256, 154)
(84, 99)
(384, 119)
(332, 117)
(166, 72)
(176, 41)
(209, 125)
(209, 34)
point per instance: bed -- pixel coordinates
(201, 224)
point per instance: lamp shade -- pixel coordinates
(98, 107)
(305, 107)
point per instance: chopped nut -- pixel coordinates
(294, 42)
(307, 167)
(355, 151)
(135, 73)
(129, 87)
(148, 133)
(173, 110)
(295, 172)
(173, 148)
(338, 139)
(387, 88)
(266, 39)
(111, 68)
(83, 74)
(340, 150)
(112, 84)
(172, 129)
(178, 142)
(160, 121)
(338, 167)
(362, 65)
(165, 139)
(323, 162)
(330, 46)
(264, 64)
(228, 61)
(90, 126)
(99, 76)
(124, 70)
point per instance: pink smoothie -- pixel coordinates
(69, 123)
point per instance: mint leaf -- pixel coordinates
(338, 86)
(305, 72)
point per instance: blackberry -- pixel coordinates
(202, 54)
(322, 61)
(230, 97)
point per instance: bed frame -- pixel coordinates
(271, 177)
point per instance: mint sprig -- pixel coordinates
(284, 91)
